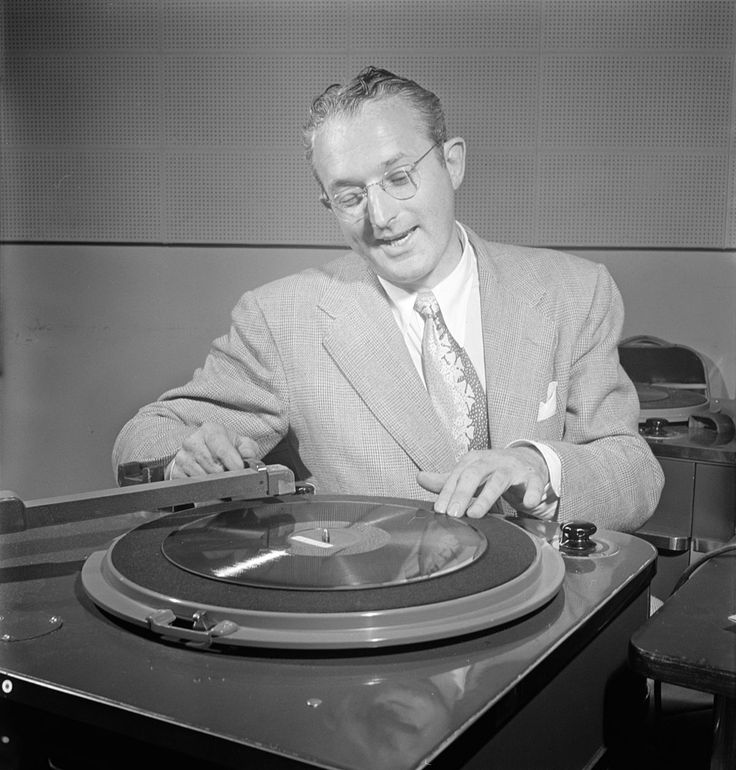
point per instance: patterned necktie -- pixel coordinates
(452, 382)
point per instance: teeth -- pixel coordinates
(399, 239)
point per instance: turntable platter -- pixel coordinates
(671, 404)
(243, 574)
(670, 398)
(650, 393)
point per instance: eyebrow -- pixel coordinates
(339, 183)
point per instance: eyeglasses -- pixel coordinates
(400, 183)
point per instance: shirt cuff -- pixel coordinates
(547, 509)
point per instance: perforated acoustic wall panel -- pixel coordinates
(598, 123)
(730, 237)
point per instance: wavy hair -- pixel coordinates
(373, 83)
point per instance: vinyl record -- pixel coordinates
(330, 546)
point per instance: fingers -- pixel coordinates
(433, 482)
(523, 492)
(247, 448)
(534, 494)
(212, 448)
(445, 484)
(456, 494)
(481, 478)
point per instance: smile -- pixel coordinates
(399, 240)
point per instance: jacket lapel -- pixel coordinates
(366, 344)
(518, 343)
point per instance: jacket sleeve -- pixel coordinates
(241, 386)
(609, 474)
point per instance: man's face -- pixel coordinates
(411, 243)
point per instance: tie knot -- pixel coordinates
(426, 304)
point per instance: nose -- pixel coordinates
(381, 207)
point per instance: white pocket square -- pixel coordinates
(548, 407)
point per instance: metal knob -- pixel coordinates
(655, 427)
(576, 536)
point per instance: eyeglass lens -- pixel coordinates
(401, 184)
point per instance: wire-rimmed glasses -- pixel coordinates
(400, 183)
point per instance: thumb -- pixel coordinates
(432, 482)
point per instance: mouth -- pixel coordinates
(397, 241)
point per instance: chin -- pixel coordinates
(410, 282)
(404, 272)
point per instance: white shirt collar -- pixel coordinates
(452, 293)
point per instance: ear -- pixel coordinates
(454, 150)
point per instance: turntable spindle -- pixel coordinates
(325, 535)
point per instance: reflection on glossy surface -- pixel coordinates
(324, 545)
(383, 723)
(391, 722)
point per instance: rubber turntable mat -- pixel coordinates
(138, 557)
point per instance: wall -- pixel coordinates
(600, 123)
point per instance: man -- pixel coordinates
(338, 363)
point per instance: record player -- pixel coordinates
(671, 380)
(242, 620)
(675, 405)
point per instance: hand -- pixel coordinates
(212, 448)
(519, 475)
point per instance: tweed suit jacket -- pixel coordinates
(316, 361)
